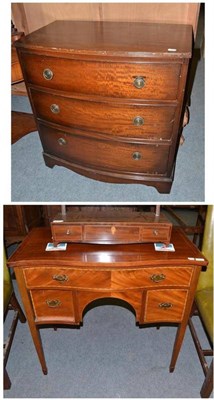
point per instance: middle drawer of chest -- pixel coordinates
(116, 118)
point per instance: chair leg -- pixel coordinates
(207, 386)
(9, 341)
(198, 347)
(16, 306)
(7, 382)
(194, 310)
(7, 347)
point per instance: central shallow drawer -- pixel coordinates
(114, 79)
(114, 234)
(103, 154)
(146, 122)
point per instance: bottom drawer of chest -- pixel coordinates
(105, 154)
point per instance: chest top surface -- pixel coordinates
(32, 253)
(112, 38)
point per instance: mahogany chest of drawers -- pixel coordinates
(108, 97)
(56, 287)
(106, 225)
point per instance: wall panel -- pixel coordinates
(31, 16)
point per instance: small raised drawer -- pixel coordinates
(156, 233)
(62, 232)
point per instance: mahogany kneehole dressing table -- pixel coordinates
(57, 286)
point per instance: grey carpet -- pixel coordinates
(108, 357)
(33, 181)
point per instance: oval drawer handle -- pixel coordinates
(165, 306)
(138, 121)
(62, 141)
(60, 278)
(157, 277)
(53, 303)
(139, 82)
(48, 74)
(55, 108)
(136, 155)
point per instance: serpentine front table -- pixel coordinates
(57, 286)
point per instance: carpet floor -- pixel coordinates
(108, 357)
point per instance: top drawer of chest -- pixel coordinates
(140, 80)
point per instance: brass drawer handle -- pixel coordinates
(157, 277)
(62, 141)
(60, 278)
(165, 306)
(138, 121)
(139, 82)
(55, 108)
(136, 155)
(113, 230)
(48, 74)
(155, 232)
(53, 303)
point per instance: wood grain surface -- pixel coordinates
(58, 287)
(110, 97)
